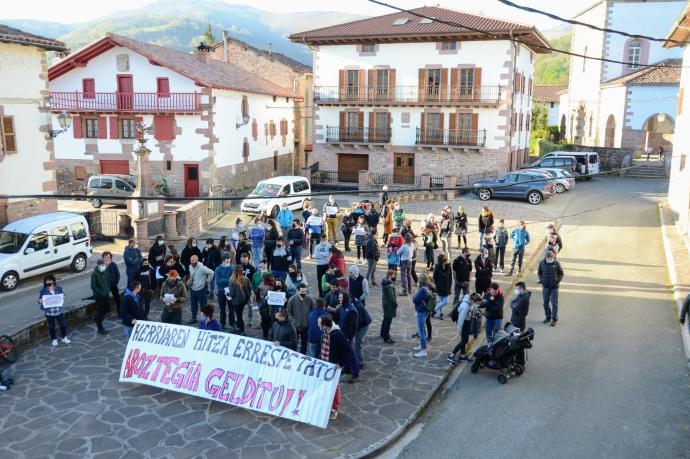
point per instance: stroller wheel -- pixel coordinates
(502, 378)
(519, 369)
(475, 366)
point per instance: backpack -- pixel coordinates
(363, 316)
(431, 304)
(455, 313)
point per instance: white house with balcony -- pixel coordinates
(211, 122)
(628, 105)
(402, 95)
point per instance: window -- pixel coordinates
(79, 173)
(510, 178)
(163, 87)
(91, 128)
(121, 185)
(38, 242)
(634, 51)
(283, 127)
(449, 45)
(275, 98)
(682, 162)
(300, 186)
(382, 82)
(245, 150)
(164, 127)
(551, 104)
(245, 107)
(520, 123)
(464, 121)
(368, 48)
(353, 120)
(589, 130)
(60, 235)
(593, 159)
(78, 231)
(101, 183)
(272, 129)
(9, 140)
(426, 20)
(401, 21)
(433, 122)
(466, 77)
(255, 129)
(352, 81)
(168, 165)
(88, 87)
(128, 128)
(433, 82)
(275, 160)
(549, 162)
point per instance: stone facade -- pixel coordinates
(247, 175)
(192, 219)
(15, 210)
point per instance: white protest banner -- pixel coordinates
(53, 301)
(276, 298)
(233, 369)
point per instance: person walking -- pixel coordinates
(446, 229)
(257, 235)
(199, 277)
(485, 223)
(389, 303)
(299, 306)
(461, 226)
(295, 239)
(649, 150)
(550, 276)
(147, 279)
(157, 252)
(285, 219)
(349, 324)
(443, 279)
(322, 253)
(492, 303)
(462, 269)
(519, 238)
(519, 306)
(421, 300)
(53, 312)
(100, 286)
(406, 254)
(399, 215)
(133, 259)
(130, 310)
(465, 315)
(280, 260)
(282, 332)
(334, 349)
(221, 279)
(240, 292)
(483, 271)
(271, 236)
(500, 242)
(206, 320)
(173, 295)
(330, 212)
(347, 227)
(113, 278)
(361, 232)
(314, 331)
(371, 254)
(315, 228)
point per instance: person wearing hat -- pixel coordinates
(222, 281)
(461, 226)
(100, 286)
(173, 295)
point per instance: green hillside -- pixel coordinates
(553, 69)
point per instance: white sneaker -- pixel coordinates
(420, 354)
(417, 348)
(54, 343)
(66, 340)
(3, 387)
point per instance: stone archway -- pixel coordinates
(658, 131)
(610, 133)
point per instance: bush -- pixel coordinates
(544, 147)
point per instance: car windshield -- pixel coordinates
(266, 189)
(11, 242)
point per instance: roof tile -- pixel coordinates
(11, 35)
(666, 72)
(547, 93)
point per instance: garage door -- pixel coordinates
(114, 167)
(350, 165)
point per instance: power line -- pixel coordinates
(591, 26)
(515, 40)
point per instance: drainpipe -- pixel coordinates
(226, 57)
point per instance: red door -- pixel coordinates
(125, 92)
(191, 180)
(114, 167)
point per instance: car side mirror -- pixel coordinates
(501, 180)
(29, 250)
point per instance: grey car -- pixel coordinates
(114, 187)
(562, 180)
(532, 185)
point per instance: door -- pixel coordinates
(61, 253)
(593, 163)
(505, 186)
(122, 190)
(115, 167)
(36, 257)
(349, 166)
(403, 168)
(191, 180)
(125, 92)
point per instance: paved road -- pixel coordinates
(611, 379)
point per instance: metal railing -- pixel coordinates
(409, 94)
(174, 102)
(457, 137)
(363, 135)
(322, 177)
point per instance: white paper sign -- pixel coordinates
(227, 292)
(168, 298)
(359, 231)
(53, 301)
(331, 210)
(232, 369)
(276, 298)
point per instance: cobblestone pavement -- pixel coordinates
(67, 402)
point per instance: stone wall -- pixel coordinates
(609, 158)
(192, 219)
(247, 175)
(67, 182)
(11, 211)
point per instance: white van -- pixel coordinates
(587, 161)
(286, 189)
(43, 243)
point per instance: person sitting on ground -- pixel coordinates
(206, 320)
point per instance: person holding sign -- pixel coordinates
(51, 298)
(330, 211)
(130, 309)
(173, 295)
(361, 233)
(314, 226)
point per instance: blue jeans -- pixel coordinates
(51, 325)
(358, 344)
(282, 275)
(296, 254)
(354, 363)
(128, 330)
(131, 277)
(481, 239)
(197, 299)
(442, 301)
(552, 295)
(257, 255)
(313, 349)
(492, 326)
(421, 328)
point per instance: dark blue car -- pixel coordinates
(534, 186)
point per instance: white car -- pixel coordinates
(562, 180)
(271, 194)
(43, 243)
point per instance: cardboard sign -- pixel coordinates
(276, 298)
(53, 301)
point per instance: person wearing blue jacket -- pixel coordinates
(420, 301)
(222, 281)
(133, 259)
(114, 277)
(349, 321)
(519, 237)
(314, 331)
(53, 313)
(257, 234)
(131, 309)
(285, 219)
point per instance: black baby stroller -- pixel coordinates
(507, 353)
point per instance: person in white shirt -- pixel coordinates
(315, 226)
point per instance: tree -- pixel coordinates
(540, 120)
(208, 36)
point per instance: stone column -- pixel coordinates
(171, 225)
(450, 181)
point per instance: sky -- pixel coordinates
(70, 11)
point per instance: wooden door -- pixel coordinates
(349, 166)
(191, 180)
(125, 92)
(403, 168)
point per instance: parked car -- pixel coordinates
(271, 194)
(587, 161)
(562, 180)
(115, 187)
(532, 185)
(43, 243)
(566, 163)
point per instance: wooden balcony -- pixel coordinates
(118, 102)
(408, 95)
(342, 134)
(451, 137)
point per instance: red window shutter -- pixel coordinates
(102, 127)
(163, 87)
(77, 128)
(164, 127)
(114, 127)
(88, 86)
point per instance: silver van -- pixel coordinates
(115, 187)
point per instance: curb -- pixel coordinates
(677, 295)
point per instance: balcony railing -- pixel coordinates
(357, 135)
(139, 102)
(408, 94)
(456, 137)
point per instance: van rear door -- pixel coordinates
(593, 163)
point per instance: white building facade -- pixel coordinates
(27, 163)
(210, 122)
(620, 105)
(401, 96)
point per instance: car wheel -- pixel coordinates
(9, 281)
(534, 198)
(475, 366)
(484, 194)
(96, 203)
(79, 263)
(274, 212)
(502, 378)
(560, 188)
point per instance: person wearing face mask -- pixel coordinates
(346, 227)
(519, 305)
(492, 303)
(240, 292)
(361, 232)
(399, 215)
(285, 218)
(461, 226)
(315, 227)
(173, 295)
(206, 320)
(100, 286)
(243, 247)
(330, 213)
(280, 260)
(446, 230)
(519, 238)
(132, 257)
(299, 306)
(283, 332)
(165, 268)
(199, 277)
(257, 235)
(147, 280)
(314, 330)
(485, 223)
(211, 258)
(293, 280)
(483, 269)
(53, 313)
(462, 269)
(131, 310)
(295, 238)
(157, 252)
(389, 303)
(114, 276)
(235, 232)
(550, 276)
(191, 248)
(221, 280)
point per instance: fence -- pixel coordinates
(104, 224)
(214, 208)
(341, 179)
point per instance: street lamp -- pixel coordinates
(65, 121)
(245, 120)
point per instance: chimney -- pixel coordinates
(226, 57)
(270, 48)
